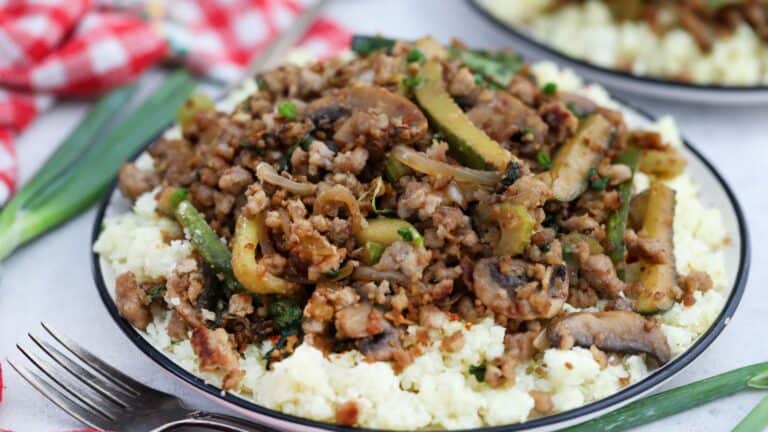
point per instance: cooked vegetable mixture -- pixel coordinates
(366, 205)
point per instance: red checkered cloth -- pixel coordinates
(82, 48)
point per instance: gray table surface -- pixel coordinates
(51, 279)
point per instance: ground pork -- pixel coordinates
(132, 302)
(418, 198)
(215, 352)
(403, 257)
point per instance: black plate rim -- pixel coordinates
(615, 73)
(656, 378)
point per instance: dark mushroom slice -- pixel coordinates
(406, 121)
(514, 294)
(381, 347)
(613, 331)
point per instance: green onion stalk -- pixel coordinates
(683, 398)
(80, 170)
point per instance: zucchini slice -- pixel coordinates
(658, 282)
(468, 143)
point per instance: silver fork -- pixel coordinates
(101, 397)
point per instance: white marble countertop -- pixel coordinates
(51, 279)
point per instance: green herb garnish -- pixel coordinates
(412, 82)
(567, 252)
(478, 371)
(596, 182)
(549, 88)
(544, 160)
(285, 313)
(287, 110)
(414, 55)
(410, 234)
(156, 292)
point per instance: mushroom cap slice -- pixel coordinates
(614, 331)
(348, 101)
(514, 294)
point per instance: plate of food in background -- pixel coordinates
(414, 236)
(712, 52)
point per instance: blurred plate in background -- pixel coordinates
(622, 81)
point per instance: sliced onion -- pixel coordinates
(366, 273)
(342, 195)
(266, 173)
(420, 162)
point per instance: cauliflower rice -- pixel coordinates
(589, 32)
(436, 390)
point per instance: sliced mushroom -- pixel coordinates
(514, 294)
(614, 331)
(405, 121)
(381, 347)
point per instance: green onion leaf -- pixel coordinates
(365, 45)
(678, 399)
(287, 110)
(410, 234)
(544, 160)
(414, 55)
(412, 82)
(79, 185)
(178, 195)
(549, 88)
(156, 292)
(756, 420)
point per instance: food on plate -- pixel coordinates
(443, 233)
(693, 41)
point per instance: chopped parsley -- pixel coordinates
(412, 82)
(478, 371)
(414, 55)
(306, 142)
(549, 88)
(596, 182)
(410, 234)
(287, 110)
(286, 314)
(246, 104)
(156, 292)
(544, 160)
(511, 174)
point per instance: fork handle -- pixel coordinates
(213, 421)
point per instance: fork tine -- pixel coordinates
(113, 375)
(97, 384)
(59, 399)
(64, 383)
